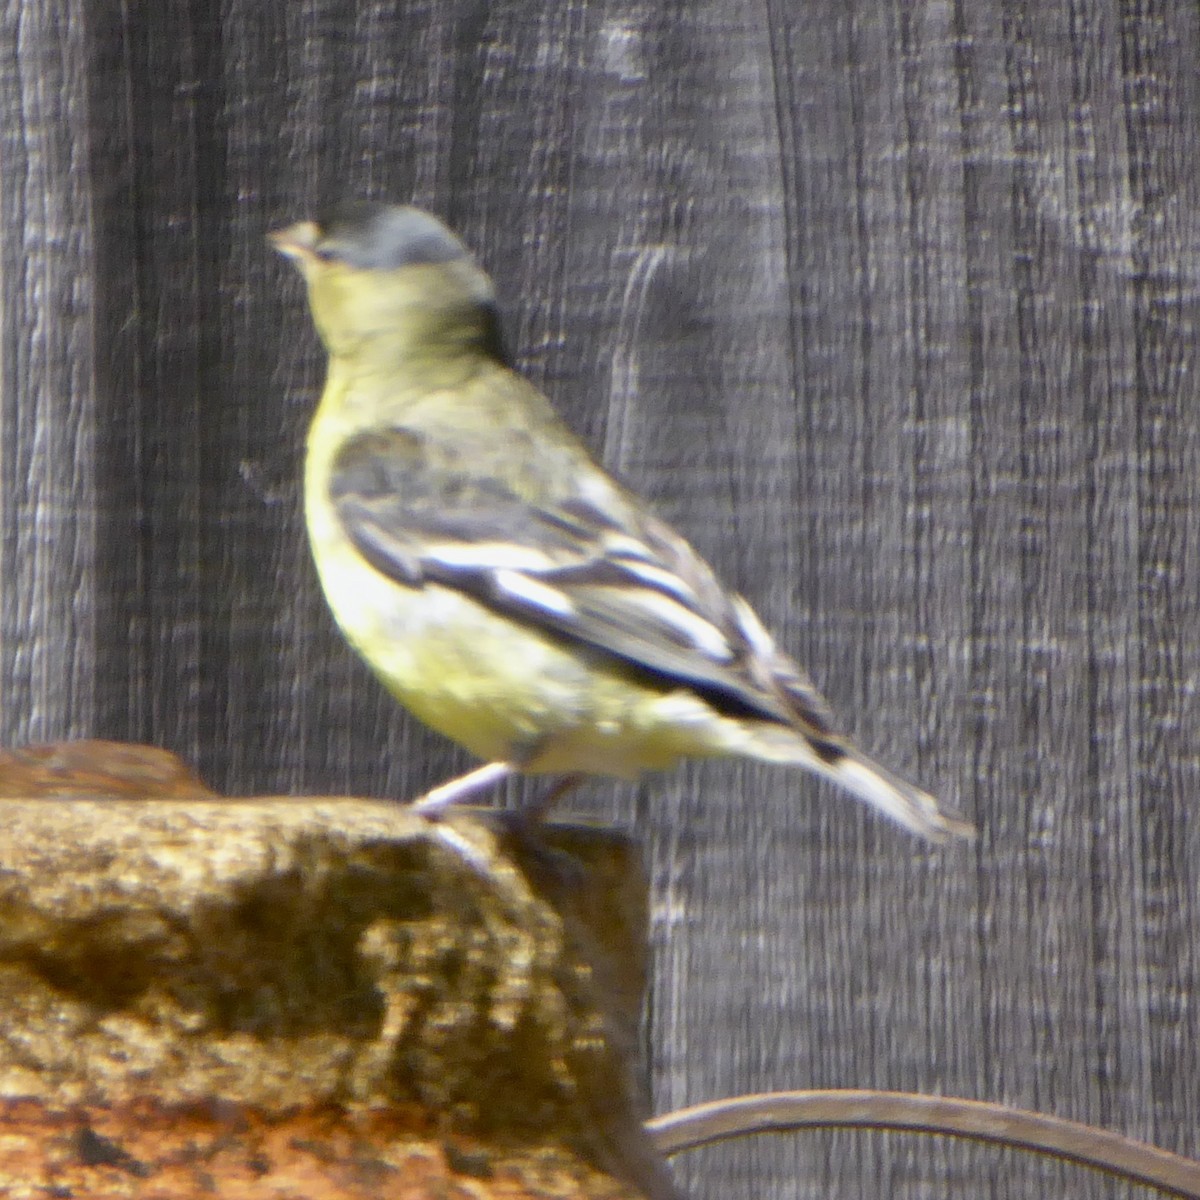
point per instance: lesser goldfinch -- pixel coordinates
(505, 588)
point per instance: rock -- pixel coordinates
(314, 997)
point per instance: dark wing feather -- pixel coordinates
(604, 574)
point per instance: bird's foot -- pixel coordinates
(437, 799)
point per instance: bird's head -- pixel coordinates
(390, 280)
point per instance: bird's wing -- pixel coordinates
(591, 567)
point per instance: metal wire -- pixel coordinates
(780, 1112)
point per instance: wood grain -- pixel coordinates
(891, 306)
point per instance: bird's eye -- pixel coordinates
(325, 252)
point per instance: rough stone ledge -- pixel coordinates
(145, 1152)
(205, 996)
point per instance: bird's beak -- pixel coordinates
(296, 241)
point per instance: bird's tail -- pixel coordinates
(902, 801)
(848, 767)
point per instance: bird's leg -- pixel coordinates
(452, 791)
(540, 808)
(434, 801)
(523, 824)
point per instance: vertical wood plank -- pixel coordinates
(890, 307)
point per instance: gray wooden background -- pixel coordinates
(892, 306)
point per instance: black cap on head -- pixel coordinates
(383, 237)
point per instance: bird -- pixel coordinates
(505, 588)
